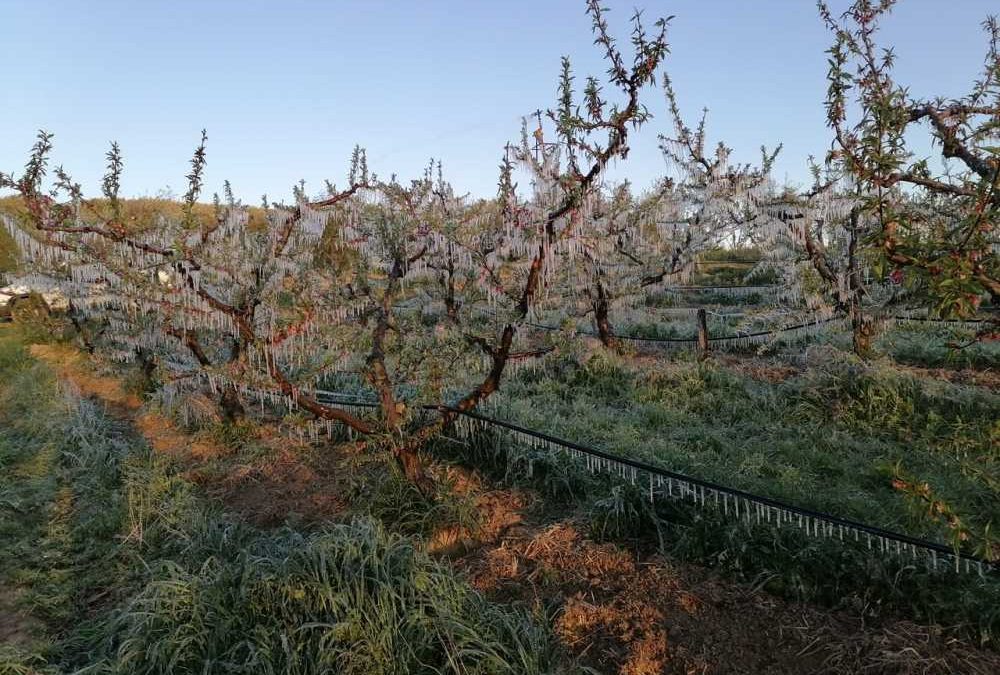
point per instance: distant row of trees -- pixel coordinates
(263, 305)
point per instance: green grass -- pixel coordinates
(349, 599)
(827, 439)
(830, 438)
(927, 345)
(383, 493)
(130, 570)
(783, 561)
(678, 328)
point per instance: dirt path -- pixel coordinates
(162, 435)
(264, 489)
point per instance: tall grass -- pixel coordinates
(352, 598)
(378, 489)
(132, 571)
(826, 439)
(783, 561)
(933, 345)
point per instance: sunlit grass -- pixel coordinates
(132, 571)
(825, 439)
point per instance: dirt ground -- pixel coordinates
(264, 489)
(621, 613)
(16, 628)
(637, 616)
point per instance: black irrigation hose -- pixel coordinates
(760, 499)
(750, 288)
(900, 317)
(726, 262)
(818, 322)
(720, 338)
(758, 334)
(635, 465)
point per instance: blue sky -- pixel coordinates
(285, 89)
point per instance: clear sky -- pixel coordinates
(285, 89)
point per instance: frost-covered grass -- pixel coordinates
(824, 431)
(130, 570)
(828, 437)
(939, 346)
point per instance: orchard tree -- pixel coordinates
(555, 243)
(619, 235)
(812, 240)
(635, 246)
(206, 304)
(935, 228)
(717, 199)
(815, 243)
(263, 306)
(493, 268)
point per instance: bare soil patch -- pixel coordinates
(267, 490)
(264, 490)
(70, 365)
(16, 628)
(641, 615)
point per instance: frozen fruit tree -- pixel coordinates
(635, 245)
(206, 304)
(815, 242)
(934, 222)
(261, 307)
(879, 226)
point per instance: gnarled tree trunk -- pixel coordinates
(863, 333)
(601, 318)
(408, 458)
(232, 407)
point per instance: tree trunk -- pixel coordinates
(603, 324)
(451, 307)
(392, 410)
(862, 329)
(80, 331)
(863, 332)
(601, 318)
(450, 303)
(703, 349)
(413, 468)
(232, 408)
(147, 366)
